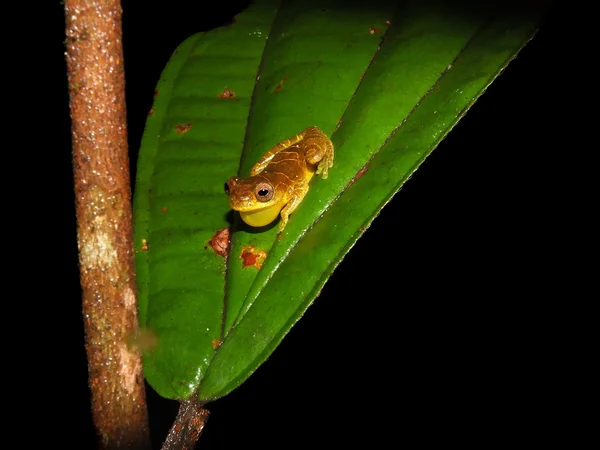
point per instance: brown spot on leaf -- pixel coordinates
(144, 245)
(374, 30)
(388, 23)
(280, 84)
(216, 343)
(151, 112)
(183, 128)
(251, 257)
(163, 209)
(227, 93)
(359, 174)
(220, 242)
(156, 93)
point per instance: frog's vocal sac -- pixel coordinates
(279, 180)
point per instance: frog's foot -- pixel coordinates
(325, 164)
(282, 223)
(291, 206)
(319, 150)
(317, 146)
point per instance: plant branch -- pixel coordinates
(104, 225)
(188, 426)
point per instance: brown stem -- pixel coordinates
(188, 425)
(104, 228)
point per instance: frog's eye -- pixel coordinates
(263, 192)
(231, 183)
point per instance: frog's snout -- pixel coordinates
(244, 198)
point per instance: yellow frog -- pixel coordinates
(279, 180)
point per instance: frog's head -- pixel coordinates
(257, 200)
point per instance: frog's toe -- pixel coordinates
(324, 166)
(282, 224)
(322, 170)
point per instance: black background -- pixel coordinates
(429, 329)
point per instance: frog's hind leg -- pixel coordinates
(299, 194)
(266, 159)
(318, 149)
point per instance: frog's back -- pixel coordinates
(291, 164)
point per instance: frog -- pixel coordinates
(279, 181)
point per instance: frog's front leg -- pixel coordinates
(296, 199)
(318, 149)
(267, 157)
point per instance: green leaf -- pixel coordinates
(179, 201)
(387, 83)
